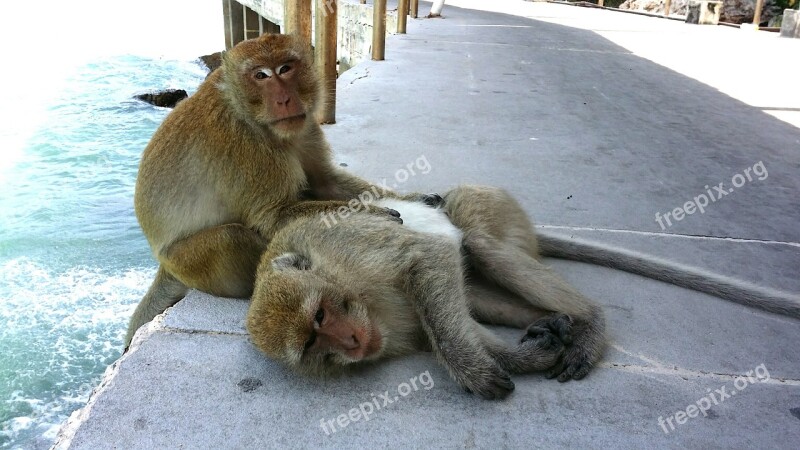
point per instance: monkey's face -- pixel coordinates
(309, 323)
(271, 81)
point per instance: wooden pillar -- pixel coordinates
(379, 30)
(297, 18)
(667, 7)
(757, 12)
(233, 14)
(402, 12)
(226, 19)
(413, 10)
(252, 24)
(325, 55)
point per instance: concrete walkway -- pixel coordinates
(596, 121)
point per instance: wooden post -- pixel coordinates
(252, 23)
(667, 6)
(599, 2)
(413, 11)
(402, 12)
(297, 18)
(757, 12)
(325, 55)
(233, 14)
(378, 30)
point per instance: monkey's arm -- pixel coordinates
(328, 212)
(436, 290)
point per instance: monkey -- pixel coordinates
(232, 163)
(330, 297)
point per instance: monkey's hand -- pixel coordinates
(388, 213)
(433, 200)
(484, 378)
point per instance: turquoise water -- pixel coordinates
(73, 262)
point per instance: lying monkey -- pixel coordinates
(328, 297)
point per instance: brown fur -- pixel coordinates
(410, 286)
(229, 166)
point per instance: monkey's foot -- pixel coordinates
(559, 325)
(584, 349)
(576, 364)
(540, 349)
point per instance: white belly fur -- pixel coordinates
(423, 218)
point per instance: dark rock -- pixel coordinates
(212, 61)
(166, 99)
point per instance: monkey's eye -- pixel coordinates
(284, 68)
(263, 74)
(319, 316)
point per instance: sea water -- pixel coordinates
(73, 261)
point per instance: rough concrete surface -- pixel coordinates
(583, 117)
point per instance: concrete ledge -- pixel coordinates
(191, 379)
(790, 27)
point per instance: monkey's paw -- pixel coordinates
(388, 213)
(544, 349)
(576, 364)
(433, 200)
(492, 383)
(557, 325)
(580, 354)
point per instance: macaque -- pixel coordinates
(332, 296)
(232, 164)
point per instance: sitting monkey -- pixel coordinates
(332, 296)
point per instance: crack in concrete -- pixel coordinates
(685, 373)
(658, 368)
(677, 235)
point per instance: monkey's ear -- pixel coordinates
(291, 261)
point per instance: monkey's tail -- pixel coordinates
(690, 277)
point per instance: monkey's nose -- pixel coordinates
(350, 343)
(283, 100)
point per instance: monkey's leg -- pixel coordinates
(221, 261)
(517, 271)
(436, 288)
(496, 306)
(163, 293)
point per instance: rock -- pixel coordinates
(733, 11)
(212, 61)
(742, 11)
(703, 12)
(775, 22)
(656, 6)
(167, 99)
